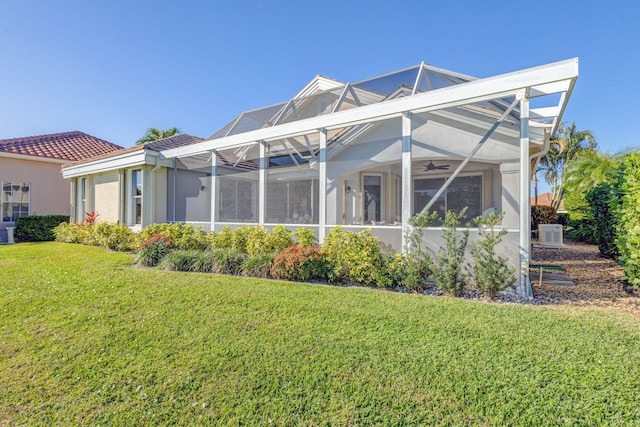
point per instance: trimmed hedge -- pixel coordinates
(38, 228)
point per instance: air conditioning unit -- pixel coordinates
(550, 235)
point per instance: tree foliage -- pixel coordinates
(567, 145)
(153, 134)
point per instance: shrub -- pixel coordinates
(38, 228)
(492, 273)
(258, 240)
(239, 239)
(395, 271)
(227, 261)
(153, 250)
(627, 211)
(180, 260)
(117, 237)
(601, 199)
(543, 215)
(419, 263)
(299, 263)
(305, 237)
(449, 269)
(258, 266)
(224, 238)
(75, 233)
(354, 257)
(183, 236)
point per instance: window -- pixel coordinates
(372, 198)
(236, 200)
(465, 191)
(136, 196)
(15, 200)
(292, 202)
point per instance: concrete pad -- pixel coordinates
(553, 279)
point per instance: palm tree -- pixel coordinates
(589, 170)
(154, 134)
(567, 145)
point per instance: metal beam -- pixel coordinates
(262, 183)
(213, 190)
(322, 187)
(461, 94)
(469, 156)
(525, 201)
(407, 190)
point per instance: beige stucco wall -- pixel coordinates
(49, 191)
(106, 196)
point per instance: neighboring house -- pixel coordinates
(545, 199)
(30, 180)
(369, 154)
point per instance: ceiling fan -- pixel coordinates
(431, 167)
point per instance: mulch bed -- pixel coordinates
(598, 280)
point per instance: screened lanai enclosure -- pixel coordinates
(370, 154)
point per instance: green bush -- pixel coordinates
(153, 250)
(183, 236)
(258, 266)
(627, 211)
(305, 237)
(117, 237)
(299, 263)
(492, 273)
(181, 260)
(239, 239)
(354, 257)
(449, 271)
(419, 263)
(258, 240)
(224, 238)
(543, 215)
(227, 261)
(75, 233)
(602, 201)
(38, 228)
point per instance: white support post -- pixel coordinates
(262, 183)
(406, 178)
(525, 210)
(322, 187)
(213, 190)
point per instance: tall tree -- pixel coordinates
(154, 134)
(567, 145)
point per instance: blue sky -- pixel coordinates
(114, 68)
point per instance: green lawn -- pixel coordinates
(86, 338)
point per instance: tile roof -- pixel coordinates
(70, 146)
(159, 145)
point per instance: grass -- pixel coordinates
(85, 338)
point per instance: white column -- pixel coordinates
(525, 210)
(262, 183)
(406, 177)
(213, 189)
(72, 198)
(322, 187)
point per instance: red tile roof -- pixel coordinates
(70, 146)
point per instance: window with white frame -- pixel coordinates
(463, 192)
(136, 197)
(15, 200)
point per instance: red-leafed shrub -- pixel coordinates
(299, 263)
(153, 250)
(541, 214)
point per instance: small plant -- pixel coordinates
(492, 273)
(299, 263)
(183, 236)
(419, 263)
(227, 261)
(449, 269)
(180, 260)
(258, 266)
(153, 250)
(354, 257)
(224, 238)
(117, 237)
(305, 237)
(91, 217)
(541, 214)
